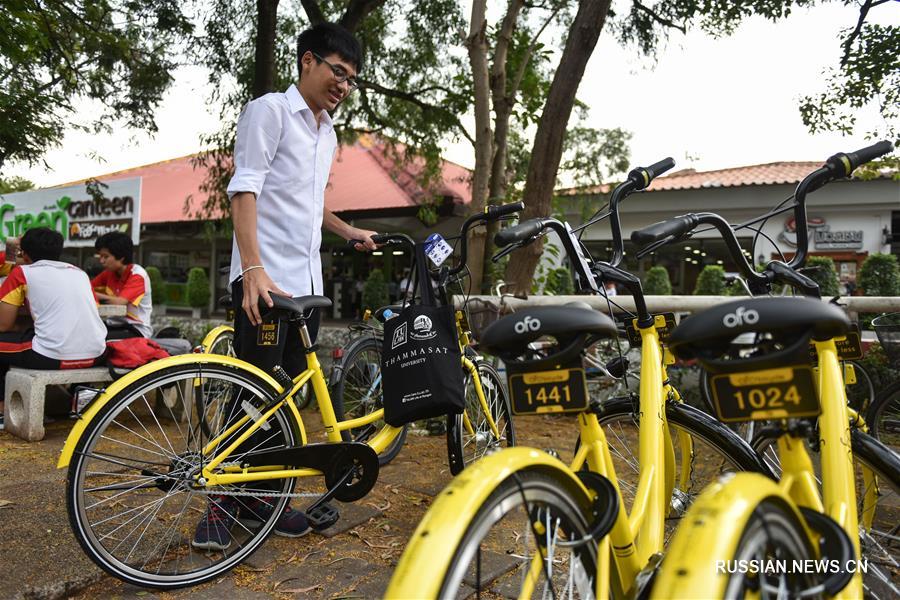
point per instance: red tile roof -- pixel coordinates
(362, 178)
(690, 179)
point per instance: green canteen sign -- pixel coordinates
(80, 217)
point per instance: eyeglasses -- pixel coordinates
(340, 73)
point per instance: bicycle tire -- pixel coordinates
(734, 454)
(158, 455)
(883, 416)
(771, 529)
(545, 499)
(463, 448)
(353, 394)
(878, 544)
(222, 344)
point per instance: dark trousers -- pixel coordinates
(16, 351)
(287, 352)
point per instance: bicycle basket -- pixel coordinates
(887, 328)
(481, 313)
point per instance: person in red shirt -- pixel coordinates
(123, 282)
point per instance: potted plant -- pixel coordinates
(197, 291)
(158, 290)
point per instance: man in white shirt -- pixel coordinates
(282, 157)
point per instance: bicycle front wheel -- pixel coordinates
(133, 498)
(467, 442)
(357, 391)
(883, 417)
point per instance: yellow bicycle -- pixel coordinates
(142, 471)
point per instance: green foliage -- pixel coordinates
(880, 275)
(656, 282)
(711, 281)
(375, 291)
(9, 185)
(876, 363)
(157, 286)
(119, 53)
(826, 275)
(559, 282)
(197, 292)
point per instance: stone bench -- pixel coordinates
(25, 392)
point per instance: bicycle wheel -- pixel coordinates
(706, 560)
(223, 344)
(464, 445)
(130, 494)
(529, 513)
(878, 508)
(703, 450)
(883, 417)
(860, 395)
(357, 391)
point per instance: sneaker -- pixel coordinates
(214, 529)
(291, 523)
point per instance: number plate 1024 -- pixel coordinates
(563, 390)
(769, 394)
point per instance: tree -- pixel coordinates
(9, 185)
(375, 291)
(711, 281)
(559, 282)
(825, 275)
(656, 282)
(158, 288)
(880, 275)
(197, 292)
(53, 53)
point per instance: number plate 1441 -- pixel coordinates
(770, 394)
(563, 390)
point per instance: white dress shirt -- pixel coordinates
(284, 158)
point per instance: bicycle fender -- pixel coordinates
(715, 522)
(148, 369)
(213, 334)
(436, 538)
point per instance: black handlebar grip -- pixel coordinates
(843, 164)
(501, 210)
(381, 238)
(519, 233)
(676, 227)
(642, 176)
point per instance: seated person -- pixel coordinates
(9, 257)
(68, 332)
(123, 282)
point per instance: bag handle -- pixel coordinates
(423, 279)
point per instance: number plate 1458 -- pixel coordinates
(770, 394)
(563, 390)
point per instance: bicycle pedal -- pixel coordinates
(323, 516)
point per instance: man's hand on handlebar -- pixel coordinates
(363, 240)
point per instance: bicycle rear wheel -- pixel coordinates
(464, 446)
(132, 497)
(883, 417)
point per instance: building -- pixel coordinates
(848, 219)
(368, 186)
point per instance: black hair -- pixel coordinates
(118, 244)
(329, 38)
(42, 243)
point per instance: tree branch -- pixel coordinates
(413, 99)
(520, 74)
(313, 11)
(356, 11)
(659, 19)
(848, 44)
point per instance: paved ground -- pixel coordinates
(40, 558)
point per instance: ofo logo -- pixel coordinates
(740, 317)
(422, 328)
(527, 324)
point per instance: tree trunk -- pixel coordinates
(264, 63)
(476, 44)
(546, 152)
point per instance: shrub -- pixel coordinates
(559, 282)
(197, 291)
(656, 282)
(375, 291)
(880, 275)
(826, 275)
(157, 286)
(711, 281)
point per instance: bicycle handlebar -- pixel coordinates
(501, 210)
(674, 228)
(519, 233)
(642, 176)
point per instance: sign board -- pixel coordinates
(822, 236)
(80, 217)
